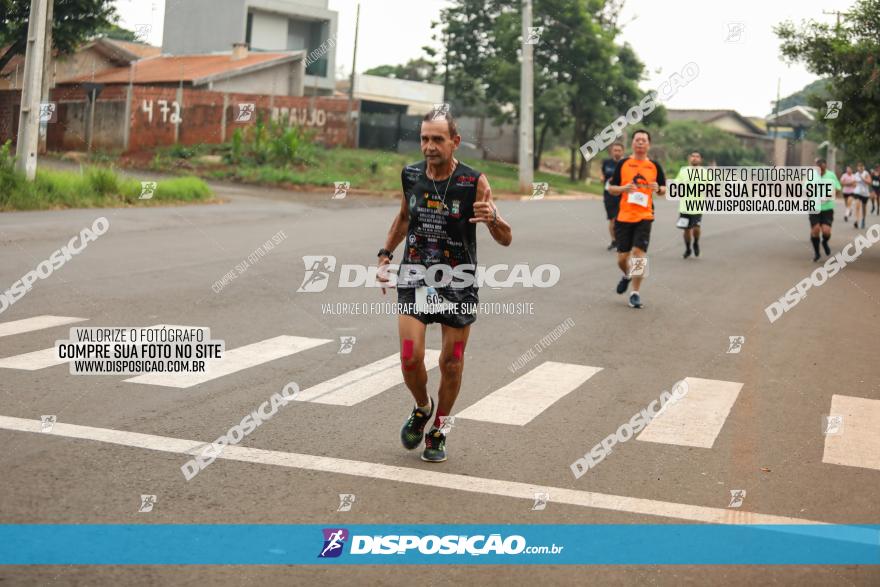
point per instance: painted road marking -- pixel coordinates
(361, 384)
(523, 399)
(857, 444)
(32, 361)
(35, 323)
(44, 358)
(414, 476)
(234, 360)
(697, 418)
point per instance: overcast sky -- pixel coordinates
(735, 72)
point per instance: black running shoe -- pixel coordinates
(624, 283)
(816, 257)
(435, 447)
(687, 253)
(827, 248)
(612, 246)
(635, 300)
(696, 249)
(411, 433)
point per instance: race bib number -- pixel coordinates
(427, 297)
(421, 297)
(683, 222)
(638, 198)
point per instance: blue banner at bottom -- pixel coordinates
(526, 544)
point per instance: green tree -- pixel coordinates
(848, 55)
(803, 97)
(417, 70)
(672, 144)
(583, 79)
(74, 21)
(117, 33)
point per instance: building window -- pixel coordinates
(312, 37)
(249, 28)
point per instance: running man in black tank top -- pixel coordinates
(443, 200)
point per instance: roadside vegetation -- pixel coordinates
(93, 187)
(286, 156)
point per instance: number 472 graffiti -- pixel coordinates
(164, 107)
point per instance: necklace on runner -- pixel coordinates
(443, 197)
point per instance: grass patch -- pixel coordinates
(374, 170)
(94, 187)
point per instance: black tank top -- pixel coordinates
(440, 231)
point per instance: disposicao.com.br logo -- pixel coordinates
(430, 544)
(319, 268)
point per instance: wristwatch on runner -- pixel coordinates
(385, 253)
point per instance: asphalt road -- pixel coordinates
(158, 266)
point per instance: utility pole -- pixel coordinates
(446, 66)
(526, 104)
(48, 77)
(351, 126)
(831, 156)
(29, 121)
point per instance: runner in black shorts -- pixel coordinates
(862, 192)
(821, 222)
(443, 201)
(636, 179)
(875, 189)
(612, 203)
(689, 222)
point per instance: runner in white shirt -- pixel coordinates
(862, 191)
(848, 181)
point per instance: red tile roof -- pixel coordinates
(187, 68)
(142, 50)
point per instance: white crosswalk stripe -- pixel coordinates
(855, 440)
(361, 384)
(526, 397)
(35, 323)
(697, 418)
(234, 360)
(43, 358)
(32, 361)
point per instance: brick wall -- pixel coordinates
(9, 111)
(204, 119)
(162, 116)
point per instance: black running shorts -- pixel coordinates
(825, 217)
(632, 234)
(457, 318)
(612, 206)
(693, 220)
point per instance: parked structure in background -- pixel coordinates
(791, 123)
(209, 26)
(785, 149)
(392, 110)
(727, 120)
(273, 74)
(93, 58)
(749, 134)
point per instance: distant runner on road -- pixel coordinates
(612, 203)
(821, 222)
(848, 181)
(875, 189)
(689, 221)
(861, 193)
(636, 180)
